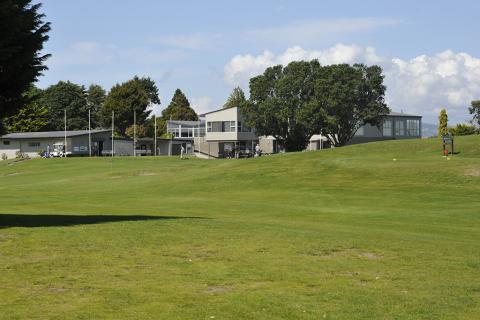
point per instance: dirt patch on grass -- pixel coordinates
(11, 174)
(145, 174)
(473, 172)
(217, 289)
(369, 255)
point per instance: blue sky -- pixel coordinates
(428, 49)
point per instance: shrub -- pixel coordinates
(463, 130)
(4, 156)
(21, 155)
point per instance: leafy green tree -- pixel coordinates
(32, 117)
(443, 123)
(463, 130)
(95, 99)
(22, 35)
(133, 96)
(179, 108)
(276, 100)
(70, 97)
(236, 99)
(304, 98)
(346, 97)
(475, 111)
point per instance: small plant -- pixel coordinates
(21, 155)
(40, 152)
(4, 156)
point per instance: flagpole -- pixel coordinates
(113, 145)
(65, 130)
(89, 135)
(134, 134)
(155, 135)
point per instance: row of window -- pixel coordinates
(226, 126)
(412, 128)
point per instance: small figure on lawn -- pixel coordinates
(182, 152)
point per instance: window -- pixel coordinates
(34, 144)
(6, 142)
(239, 128)
(360, 131)
(209, 126)
(217, 126)
(387, 128)
(399, 128)
(413, 128)
(232, 126)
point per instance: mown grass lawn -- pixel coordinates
(336, 234)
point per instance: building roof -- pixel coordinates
(222, 109)
(185, 123)
(401, 114)
(49, 134)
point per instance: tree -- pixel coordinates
(133, 96)
(179, 108)
(22, 33)
(69, 97)
(236, 99)
(443, 123)
(346, 98)
(95, 99)
(32, 117)
(475, 111)
(276, 99)
(304, 98)
(463, 130)
(141, 131)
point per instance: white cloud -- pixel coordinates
(420, 85)
(242, 67)
(311, 31)
(202, 104)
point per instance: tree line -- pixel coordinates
(290, 102)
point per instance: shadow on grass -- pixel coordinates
(62, 220)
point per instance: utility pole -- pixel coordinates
(89, 135)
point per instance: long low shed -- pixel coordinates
(33, 143)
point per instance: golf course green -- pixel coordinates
(386, 230)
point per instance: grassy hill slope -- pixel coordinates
(348, 233)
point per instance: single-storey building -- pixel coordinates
(74, 143)
(396, 125)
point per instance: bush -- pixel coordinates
(20, 155)
(463, 130)
(4, 156)
(40, 152)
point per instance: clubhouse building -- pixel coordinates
(218, 134)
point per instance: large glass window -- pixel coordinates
(209, 126)
(6, 142)
(399, 128)
(34, 144)
(387, 128)
(413, 128)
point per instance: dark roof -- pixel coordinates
(49, 134)
(401, 114)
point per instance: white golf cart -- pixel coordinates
(59, 151)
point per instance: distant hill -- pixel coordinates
(429, 130)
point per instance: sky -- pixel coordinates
(429, 50)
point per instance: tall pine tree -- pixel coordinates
(22, 34)
(179, 108)
(236, 99)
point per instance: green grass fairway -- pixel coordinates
(336, 234)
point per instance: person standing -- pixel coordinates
(182, 152)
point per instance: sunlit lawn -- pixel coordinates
(338, 234)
